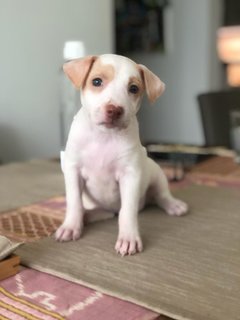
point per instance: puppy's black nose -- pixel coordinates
(114, 112)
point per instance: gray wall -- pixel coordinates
(32, 35)
(188, 66)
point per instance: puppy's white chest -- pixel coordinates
(98, 169)
(97, 160)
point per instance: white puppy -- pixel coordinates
(104, 158)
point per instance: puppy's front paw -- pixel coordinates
(67, 232)
(174, 207)
(128, 244)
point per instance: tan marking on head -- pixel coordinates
(106, 72)
(78, 70)
(139, 83)
(153, 85)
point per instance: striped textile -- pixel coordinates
(71, 300)
(12, 307)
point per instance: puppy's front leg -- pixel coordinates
(73, 224)
(129, 241)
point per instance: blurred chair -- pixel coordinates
(215, 109)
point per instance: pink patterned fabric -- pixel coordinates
(30, 223)
(70, 300)
(13, 307)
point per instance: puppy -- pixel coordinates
(104, 159)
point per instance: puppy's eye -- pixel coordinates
(133, 89)
(97, 82)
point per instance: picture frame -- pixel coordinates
(139, 26)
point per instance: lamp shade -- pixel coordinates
(233, 74)
(228, 44)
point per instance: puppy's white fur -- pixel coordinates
(104, 159)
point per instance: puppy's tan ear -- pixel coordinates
(78, 70)
(153, 85)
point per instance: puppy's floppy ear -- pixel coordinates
(153, 85)
(78, 70)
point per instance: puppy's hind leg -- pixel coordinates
(162, 195)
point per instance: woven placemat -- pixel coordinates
(189, 268)
(25, 183)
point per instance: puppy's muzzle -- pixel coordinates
(113, 113)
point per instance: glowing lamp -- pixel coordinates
(228, 45)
